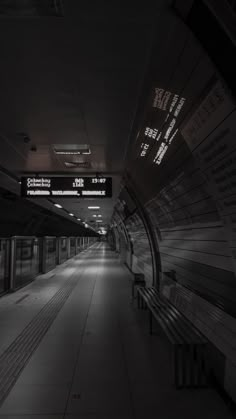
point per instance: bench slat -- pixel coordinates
(187, 329)
(172, 319)
(189, 344)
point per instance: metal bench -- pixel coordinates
(138, 280)
(189, 345)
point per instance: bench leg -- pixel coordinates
(204, 367)
(150, 322)
(176, 366)
(202, 370)
(189, 366)
(189, 369)
(183, 363)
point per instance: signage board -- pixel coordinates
(161, 124)
(66, 187)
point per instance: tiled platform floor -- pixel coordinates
(97, 360)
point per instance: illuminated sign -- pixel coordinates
(144, 149)
(161, 126)
(66, 187)
(151, 133)
(161, 98)
(160, 153)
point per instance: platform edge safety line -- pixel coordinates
(14, 359)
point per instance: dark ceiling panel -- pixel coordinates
(30, 8)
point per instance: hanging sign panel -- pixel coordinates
(66, 187)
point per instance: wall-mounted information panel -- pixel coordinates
(66, 187)
(160, 129)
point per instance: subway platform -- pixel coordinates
(74, 345)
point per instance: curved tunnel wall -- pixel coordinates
(188, 192)
(131, 237)
(141, 254)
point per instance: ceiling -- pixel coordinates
(75, 79)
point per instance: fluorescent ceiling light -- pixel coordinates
(99, 215)
(57, 205)
(72, 215)
(71, 152)
(71, 149)
(85, 225)
(93, 207)
(67, 152)
(79, 219)
(99, 221)
(94, 215)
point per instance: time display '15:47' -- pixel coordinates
(98, 180)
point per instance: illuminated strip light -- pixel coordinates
(162, 154)
(173, 103)
(73, 153)
(161, 148)
(159, 136)
(179, 106)
(171, 138)
(171, 126)
(68, 152)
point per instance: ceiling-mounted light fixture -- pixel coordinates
(79, 219)
(96, 207)
(57, 205)
(71, 149)
(72, 215)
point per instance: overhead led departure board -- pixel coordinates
(66, 187)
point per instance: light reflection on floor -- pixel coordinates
(97, 360)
